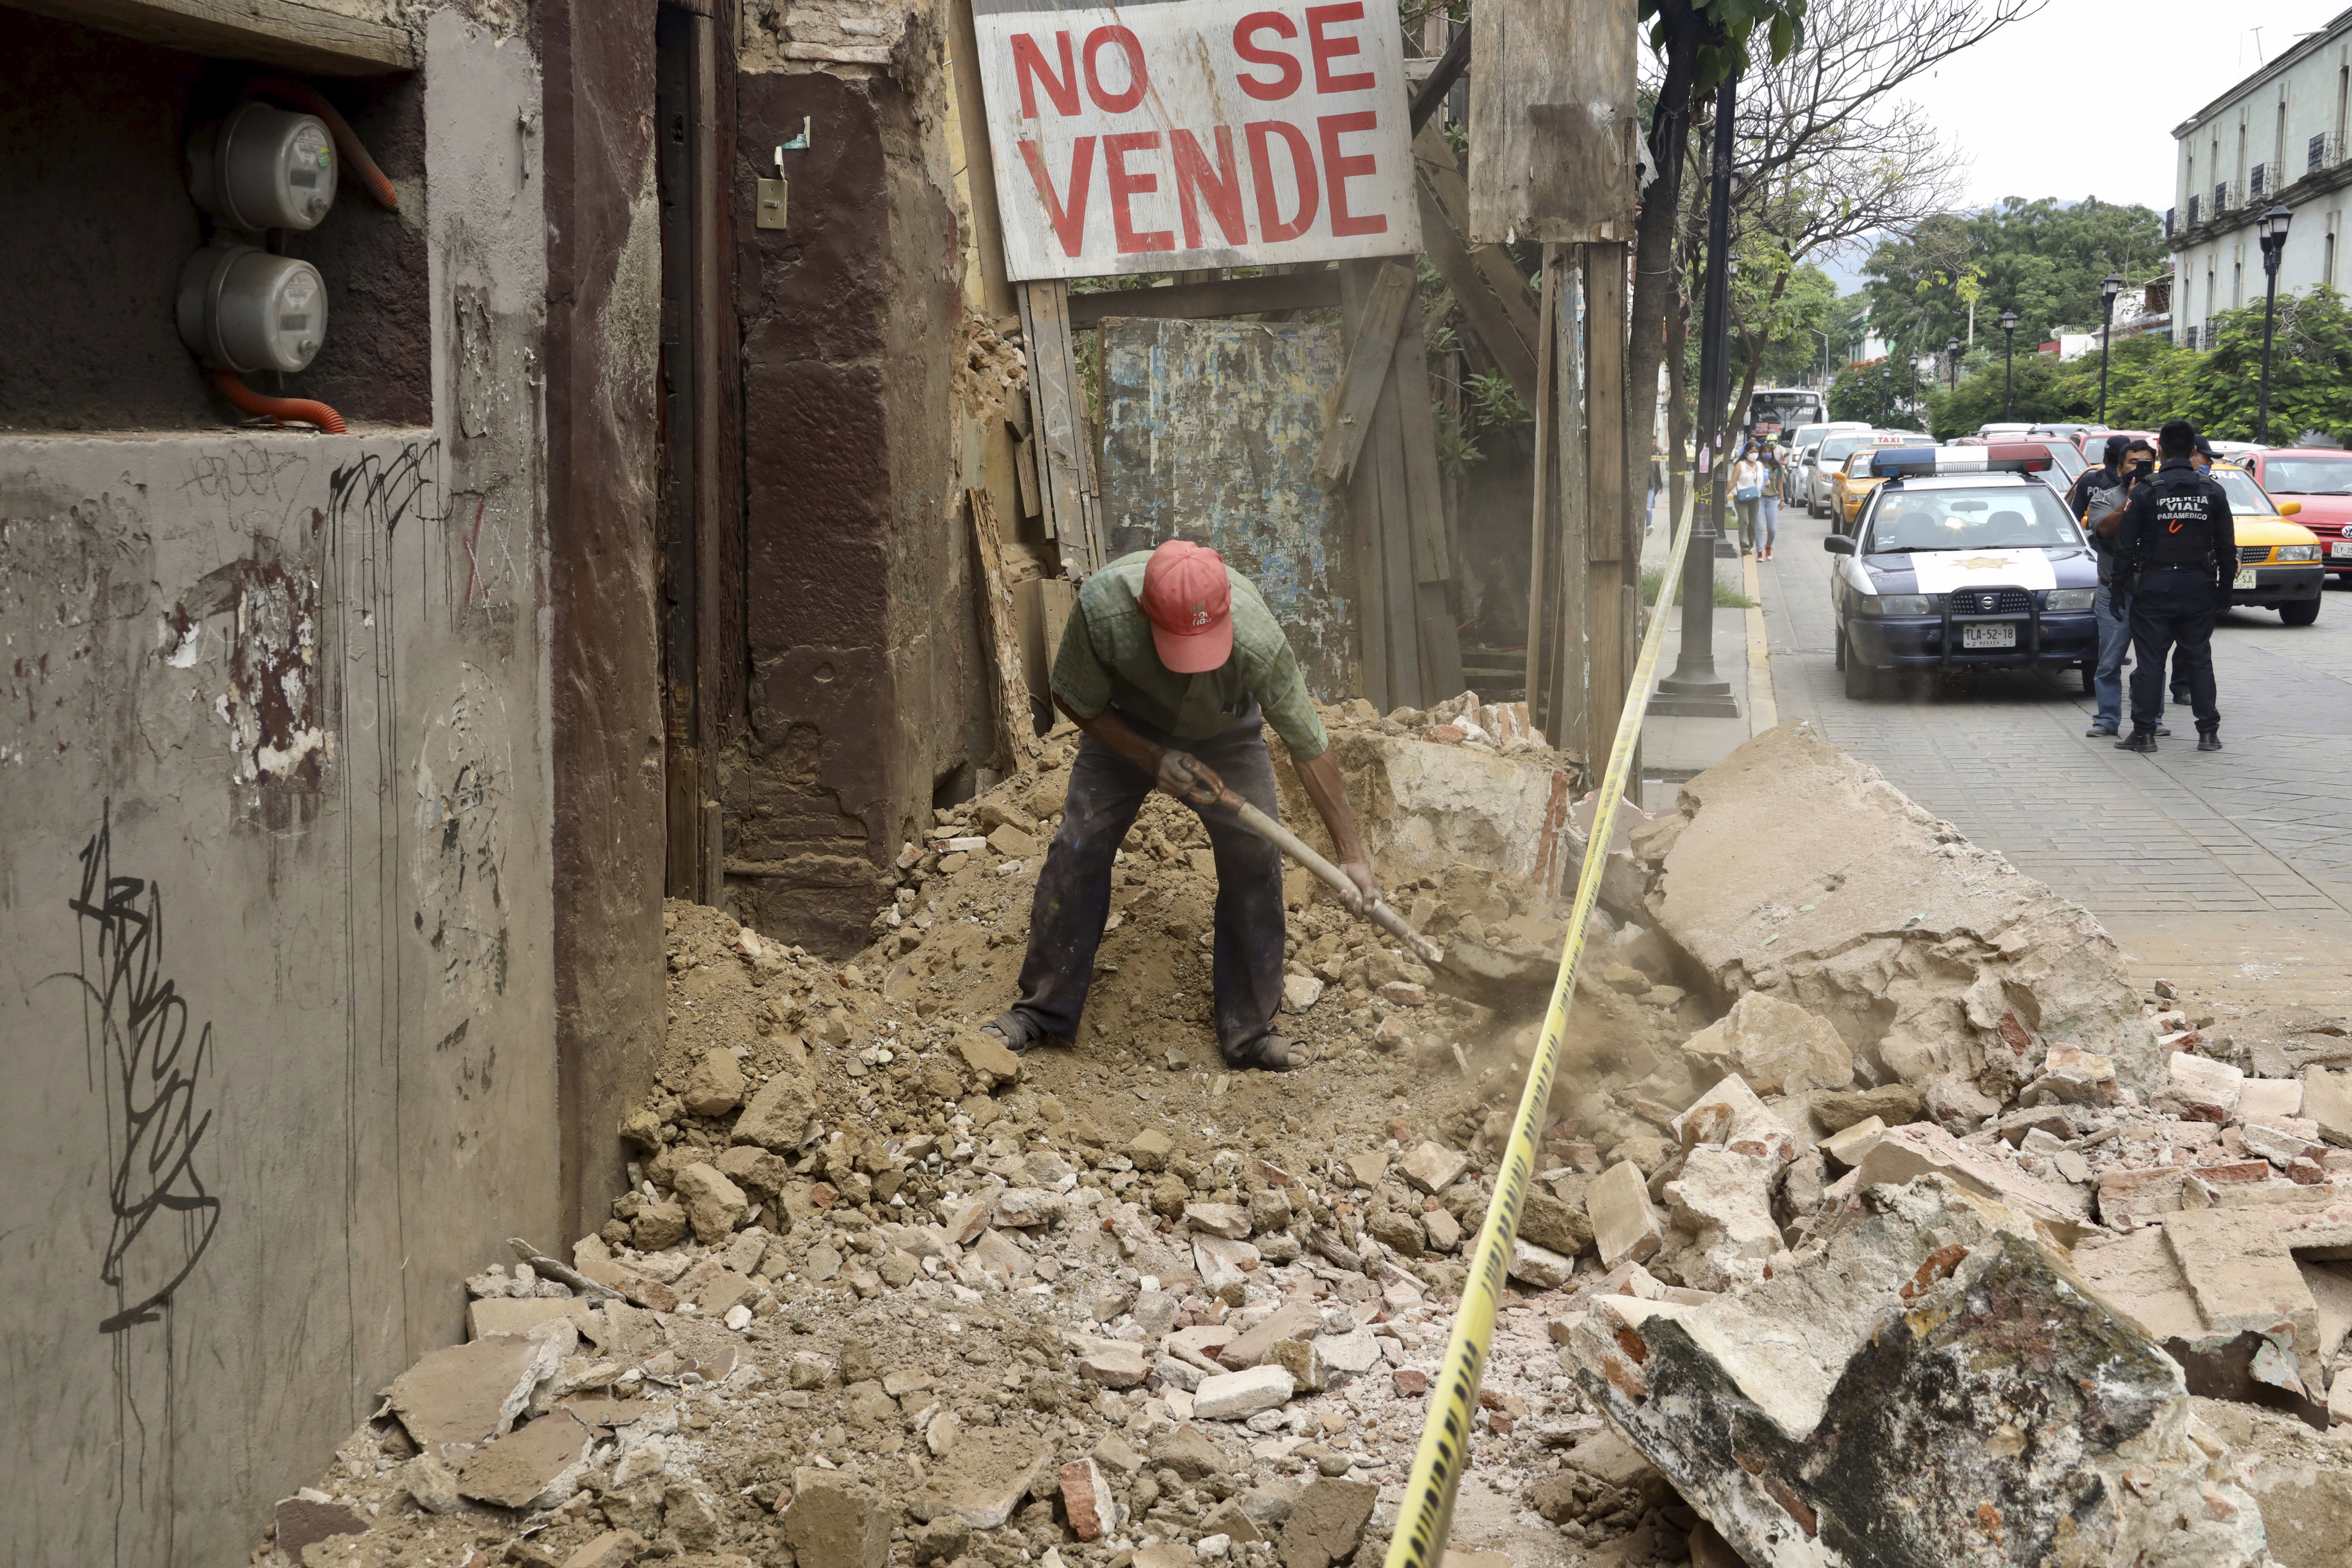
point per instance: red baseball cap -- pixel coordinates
(1191, 606)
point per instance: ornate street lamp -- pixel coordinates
(2270, 229)
(1952, 362)
(2109, 287)
(2007, 365)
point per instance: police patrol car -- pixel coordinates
(1963, 558)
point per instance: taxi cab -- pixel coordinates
(1850, 485)
(2279, 562)
(1961, 558)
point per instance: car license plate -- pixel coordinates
(2245, 579)
(2341, 550)
(2002, 635)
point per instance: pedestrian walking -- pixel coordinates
(1768, 508)
(1746, 493)
(1657, 483)
(2177, 550)
(2105, 492)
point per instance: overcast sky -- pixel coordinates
(2033, 112)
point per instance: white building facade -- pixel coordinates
(2277, 136)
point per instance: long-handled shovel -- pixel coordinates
(1476, 974)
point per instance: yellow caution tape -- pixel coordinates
(1423, 1521)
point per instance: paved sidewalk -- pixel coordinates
(1674, 749)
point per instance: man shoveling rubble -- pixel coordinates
(1171, 665)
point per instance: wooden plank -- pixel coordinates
(1547, 371)
(1024, 471)
(1466, 286)
(1363, 516)
(1567, 704)
(1016, 738)
(1315, 290)
(1064, 473)
(307, 38)
(1553, 109)
(1433, 156)
(1439, 644)
(1371, 349)
(1613, 537)
(1399, 604)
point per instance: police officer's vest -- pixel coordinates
(2181, 533)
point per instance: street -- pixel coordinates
(2257, 835)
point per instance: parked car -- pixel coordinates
(1962, 557)
(1804, 443)
(2278, 562)
(2063, 431)
(1850, 486)
(2318, 483)
(2093, 443)
(1830, 456)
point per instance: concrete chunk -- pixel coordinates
(469, 1393)
(2244, 1281)
(1847, 1147)
(538, 1465)
(983, 1478)
(1819, 1418)
(1087, 1499)
(2327, 1099)
(1291, 1320)
(779, 1115)
(1237, 1396)
(1540, 1266)
(714, 1205)
(1228, 1220)
(2268, 1098)
(1432, 1167)
(1326, 1525)
(1776, 1047)
(715, 1087)
(1625, 1224)
(833, 1522)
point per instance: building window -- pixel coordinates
(2327, 254)
(2318, 153)
(2237, 284)
(2189, 338)
(2255, 181)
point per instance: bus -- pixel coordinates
(1773, 409)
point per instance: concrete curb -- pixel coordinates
(1763, 713)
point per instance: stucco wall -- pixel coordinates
(274, 886)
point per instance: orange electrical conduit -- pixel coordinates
(305, 97)
(307, 409)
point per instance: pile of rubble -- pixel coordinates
(1872, 1227)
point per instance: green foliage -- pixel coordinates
(1879, 393)
(1808, 303)
(2041, 260)
(1457, 445)
(1729, 24)
(2150, 381)
(1495, 399)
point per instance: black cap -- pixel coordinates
(2207, 448)
(2116, 447)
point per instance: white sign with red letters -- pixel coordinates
(1195, 134)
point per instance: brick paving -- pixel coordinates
(2262, 828)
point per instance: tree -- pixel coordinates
(2039, 258)
(2311, 369)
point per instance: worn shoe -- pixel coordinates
(2138, 740)
(1020, 1032)
(2208, 740)
(2107, 731)
(2163, 733)
(1271, 1053)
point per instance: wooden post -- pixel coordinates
(1614, 535)
(1363, 515)
(1433, 570)
(1372, 354)
(1016, 737)
(1540, 526)
(1567, 702)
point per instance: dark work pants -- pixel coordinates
(1073, 900)
(2172, 615)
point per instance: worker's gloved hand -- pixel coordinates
(1187, 777)
(1368, 887)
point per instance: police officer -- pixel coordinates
(2176, 551)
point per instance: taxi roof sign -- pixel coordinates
(1919, 462)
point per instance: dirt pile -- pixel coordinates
(883, 1293)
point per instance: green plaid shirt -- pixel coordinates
(1106, 660)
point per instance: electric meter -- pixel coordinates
(263, 168)
(243, 309)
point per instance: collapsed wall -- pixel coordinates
(883, 1293)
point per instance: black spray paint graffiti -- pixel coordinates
(135, 1027)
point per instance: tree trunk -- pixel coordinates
(1656, 287)
(1678, 414)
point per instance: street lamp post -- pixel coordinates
(2272, 230)
(2007, 365)
(1694, 690)
(1825, 362)
(1952, 364)
(2109, 287)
